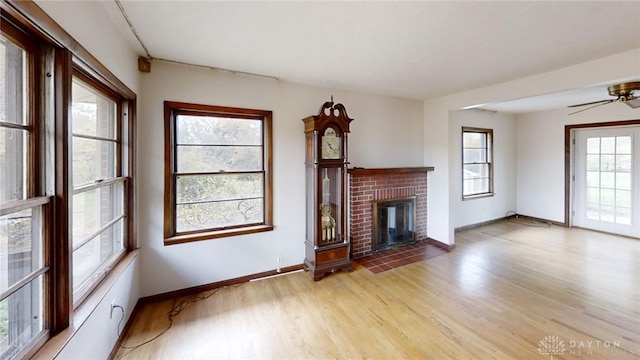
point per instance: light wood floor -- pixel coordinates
(508, 291)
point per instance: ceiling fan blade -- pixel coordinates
(597, 103)
(594, 102)
(633, 103)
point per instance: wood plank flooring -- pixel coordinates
(508, 291)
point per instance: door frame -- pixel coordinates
(569, 141)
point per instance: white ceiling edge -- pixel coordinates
(574, 84)
(543, 102)
(555, 100)
(120, 22)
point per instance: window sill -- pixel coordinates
(478, 196)
(56, 344)
(180, 239)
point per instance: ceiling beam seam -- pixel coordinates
(133, 29)
(235, 72)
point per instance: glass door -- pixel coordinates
(607, 180)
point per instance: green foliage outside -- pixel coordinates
(89, 155)
(224, 161)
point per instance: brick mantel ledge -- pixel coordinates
(379, 171)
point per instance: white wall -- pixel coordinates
(386, 132)
(441, 216)
(474, 211)
(87, 22)
(540, 160)
(101, 330)
(436, 154)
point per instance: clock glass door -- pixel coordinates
(331, 212)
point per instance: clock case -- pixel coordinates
(327, 239)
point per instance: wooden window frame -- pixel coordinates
(119, 176)
(61, 55)
(171, 110)
(489, 156)
(36, 196)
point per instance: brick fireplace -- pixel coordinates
(367, 186)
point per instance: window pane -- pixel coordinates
(94, 209)
(21, 318)
(474, 140)
(219, 158)
(91, 258)
(475, 171)
(623, 181)
(593, 145)
(593, 195)
(593, 162)
(623, 198)
(593, 211)
(92, 114)
(475, 186)
(607, 213)
(593, 178)
(219, 214)
(607, 163)
(13, 83)
(92, 160)
(474, 155)
(608, 145)
(623, 144)
(623, 215)
(199, 188)
(97, 222)
(13, 164)
(20, 246)
(607, 197)
(623, 163)
(207, 130)
(607, 180)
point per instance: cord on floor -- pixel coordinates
(175, 311)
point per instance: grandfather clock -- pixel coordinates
(327, 240)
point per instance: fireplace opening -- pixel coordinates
(393, 223)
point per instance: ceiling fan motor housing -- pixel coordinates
(624, 90)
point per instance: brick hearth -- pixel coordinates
(369, 185)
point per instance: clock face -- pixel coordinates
(330, 144)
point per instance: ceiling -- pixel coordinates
(409, 49)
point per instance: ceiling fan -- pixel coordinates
(623, 92)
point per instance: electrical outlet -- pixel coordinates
(113, 305)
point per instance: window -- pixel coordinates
(218, 172)
(477, 162)
(97, 209)
(66, 178)
(24, 207)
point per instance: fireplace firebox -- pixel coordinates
(393, 223)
